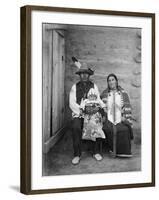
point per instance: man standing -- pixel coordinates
(78, 92)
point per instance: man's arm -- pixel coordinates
(72, 101)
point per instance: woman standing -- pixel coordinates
(118, 125)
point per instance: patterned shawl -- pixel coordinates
(126, 108)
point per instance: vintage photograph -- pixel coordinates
(87, 99)
(91, 99)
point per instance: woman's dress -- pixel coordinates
(118, 106)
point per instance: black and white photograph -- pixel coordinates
(91, 99)
(87, 100)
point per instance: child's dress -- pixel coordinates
(92, 126)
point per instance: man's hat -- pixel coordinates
(82, 68)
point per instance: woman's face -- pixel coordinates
(112, 82)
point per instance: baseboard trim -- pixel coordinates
(53, 140)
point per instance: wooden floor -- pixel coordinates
(58, 160)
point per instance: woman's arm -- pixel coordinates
(126, 109)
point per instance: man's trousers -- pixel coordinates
(77, 125)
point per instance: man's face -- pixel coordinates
(84, 77)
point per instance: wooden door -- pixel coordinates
(58, 81)
(53, 85)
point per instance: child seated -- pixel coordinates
(92, 109)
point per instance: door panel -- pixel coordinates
(53, 85)
(58, 82)
(46, 83)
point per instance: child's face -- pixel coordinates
(92, 97)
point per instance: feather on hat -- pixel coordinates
(82, 68)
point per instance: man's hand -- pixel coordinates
(105, 109)
(104, 100)
(123, 119)
(81, 112)
(103, 119)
